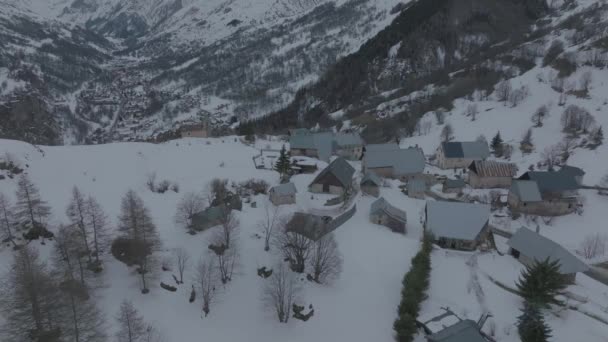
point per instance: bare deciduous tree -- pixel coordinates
(593, 246)
(206, 280)
(280, 291)
(585, 81)
(576, 119)
(7, 220)
(447, 133)
(227, 258)
(325, 261)
(439, 116)
(472, 111)
(269, 223)
(230, 225)
(189, 205)
(551, 156)
(539, 115)
(503, 91)
(182, 259)
(295, 247)
(69, 255)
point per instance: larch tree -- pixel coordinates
(137, 227)
(131, 325)
(76, 212)
(7, 220)
(30, 210)
(97, 220)
(30, 301)
(182, 259)
(68, 256)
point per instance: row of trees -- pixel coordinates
(415, 285)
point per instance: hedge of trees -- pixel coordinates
(415, 285)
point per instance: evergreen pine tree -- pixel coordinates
(531, 325)
(541, 282)
(283, 164)
(497, 144)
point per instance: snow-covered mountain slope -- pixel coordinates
(184, 60)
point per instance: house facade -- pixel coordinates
(544, 193)
(457, 225)
(403, 164)
(335, 179)
(283, 194)
(383, 213)
(485, 174)
(459, 155)
(370, 184)
(323, 145)
(530, 247)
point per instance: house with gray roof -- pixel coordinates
(323, 145)
(283, 194)
(372, 148)
(370, 184)
(546, 193)
(573, 171)
(488, 174)
(398, 163)
(385, 214)
(208, 218)
(457, 225)
(453, 186)
(530, 247)
(459, 155)
(335, 179)
(464, 331)
(416, 188)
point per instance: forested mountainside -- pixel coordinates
(418, 54)
(97, 71)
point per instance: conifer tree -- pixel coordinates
(497, 144)
(541, 282)
(6, 220)
(531, 325)
(526, 143)
(283, 164)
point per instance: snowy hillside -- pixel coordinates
(173, 62)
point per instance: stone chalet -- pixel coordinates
(459, 155)
(383, 213)
(390, 161)
(370, 184)
(485, 174)
(283, 194)
(457, 225)
(323, 145)
(201, 130)
(545, 193)
(336, 178)
(530, 247)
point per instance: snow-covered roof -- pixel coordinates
(403, 161)
(454, 183)
(463, 331)
(348, 139)
(539, 248)
(416, 185)
(490, 168)
(466, 149)
(382, 205)
(549, 181)
(456, 220)
(381, 147)
(323, 142)
(371, 177)
(526, 190)
(572, 170)
(284, 189)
